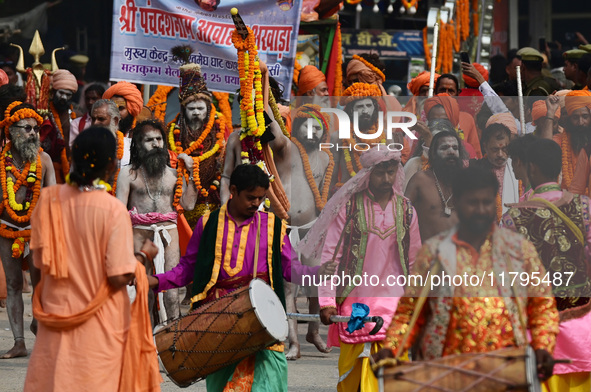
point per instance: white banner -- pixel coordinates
(144, 31)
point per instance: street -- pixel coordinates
(314, 371)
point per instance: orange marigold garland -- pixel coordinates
(320, 198)
(427, 48)
(175, 145)
(32, 180)
(158, 101)
(567, 160)
(224, 105)
(58, 124)
(338, 77)
(120, 150)
(371, 66)
(499, 204)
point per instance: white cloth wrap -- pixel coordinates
(159, 259)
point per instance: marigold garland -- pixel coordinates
(120, 151)
(158, 101)
(371, 66)
(499, 204)
(567, 160)
(224, 105)
(175, 145)
(32, 181)
(58, 123)
(320, 198)
(338, 77)
(427, 48)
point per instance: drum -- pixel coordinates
(221, 332)
(509, 369)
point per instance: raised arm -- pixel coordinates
(189, 197)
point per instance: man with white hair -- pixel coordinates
(106, 113)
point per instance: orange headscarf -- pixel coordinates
(506, 119)
(450, 105)
(359, 69)
(577, 99)
(309, 78)
(539, 110)
(419, 81)
(133, 96)
(470, 81)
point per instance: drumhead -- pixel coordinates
(268, 309)
(531, 370)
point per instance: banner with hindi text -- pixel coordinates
(144, 31)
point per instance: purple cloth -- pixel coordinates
(183, 273)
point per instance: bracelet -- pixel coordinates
(143, 257)
(225, 176)
(328, 307)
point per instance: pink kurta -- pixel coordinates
(574, 339)
(382, 259)
(88, 357)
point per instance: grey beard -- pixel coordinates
(28, 150)
(194, 125)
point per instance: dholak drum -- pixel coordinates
(221, 332)
(509, 369)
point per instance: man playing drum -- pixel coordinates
(471, 318)
(220, 258)
(371, 229)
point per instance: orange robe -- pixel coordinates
(468, 126)
(581, 177)
(87, 357)
(565, 183)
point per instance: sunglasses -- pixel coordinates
(27, 127)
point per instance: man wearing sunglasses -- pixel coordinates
(24, 170)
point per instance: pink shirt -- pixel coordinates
(382, 259)
(183, 273)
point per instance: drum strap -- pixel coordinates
(256, 249)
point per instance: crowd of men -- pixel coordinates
(475, 190)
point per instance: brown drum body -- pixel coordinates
(215, 335)
(508, 369)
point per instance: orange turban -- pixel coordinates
(577, 99)
(64, 80)
(285, 112)
(470, 81)
(539, 110)
(506, 119)
(133, 96)
(450, 105)
(421, 80)
(3, 78)
(359, 90)
(309, 78)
